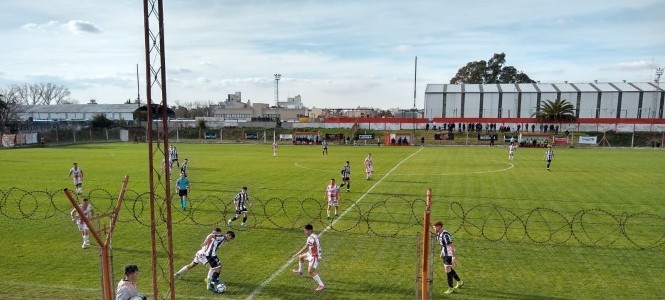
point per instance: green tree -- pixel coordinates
(492, 71)
(557, 111)
(101, 121)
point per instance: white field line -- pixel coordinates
(290, 261)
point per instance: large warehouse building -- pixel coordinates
(641, 100)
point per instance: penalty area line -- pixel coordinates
(292, 259)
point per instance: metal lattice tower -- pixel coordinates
(277, 78)
(160, 224)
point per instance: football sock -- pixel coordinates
(299, 266)
(244, 219)
(454, 274)
(182, 271)
(215, 277)
(234, 218)
(318, 279)
(450, 279)
(348, 185)
(210, 272)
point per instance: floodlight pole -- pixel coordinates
(659, 72)
(104, 245)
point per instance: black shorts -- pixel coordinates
(346, 178)
(447, 260)
(214, 262)
(240, 211)
(182, 193)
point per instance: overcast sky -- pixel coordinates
(341, 53)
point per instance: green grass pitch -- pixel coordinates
(591, 228)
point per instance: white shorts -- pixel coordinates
(369, 169)
(200, 258)
(313, 262)
(333, 202)
(78, 181)
(81, 225)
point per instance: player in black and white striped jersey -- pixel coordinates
(207, 256)
(549, 156)
(447, 256)
(242, 204)
(346, 176)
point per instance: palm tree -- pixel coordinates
(557, 111)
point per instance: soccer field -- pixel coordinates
(593, 227)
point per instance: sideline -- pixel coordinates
(322, 232)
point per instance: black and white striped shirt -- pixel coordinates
(549, 155)
(241, 201)
(445, 240)
(210, 249)
(346, 171)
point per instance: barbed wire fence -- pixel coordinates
(389, 221)
(491, 222)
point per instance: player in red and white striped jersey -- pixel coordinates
(332, 195)
(368, 166)
(88, 212)
(77, 173)
(313, 255)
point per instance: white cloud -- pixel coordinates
(632, 66)
(50, 25)
(73, 26)
(404, 48)
(78, 26)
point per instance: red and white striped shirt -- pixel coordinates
(333, 192)
(313, 246)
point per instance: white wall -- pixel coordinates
(491, 105)
(453, 105)
(608, 104)
(471, 105)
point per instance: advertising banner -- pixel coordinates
(444, 136)
(560, 140)
(588, 140)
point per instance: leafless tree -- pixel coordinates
(33, 93)
(54, 93)
(10, 104)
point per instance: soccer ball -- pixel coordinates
(221, 288)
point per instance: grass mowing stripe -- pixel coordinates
(291, 260)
